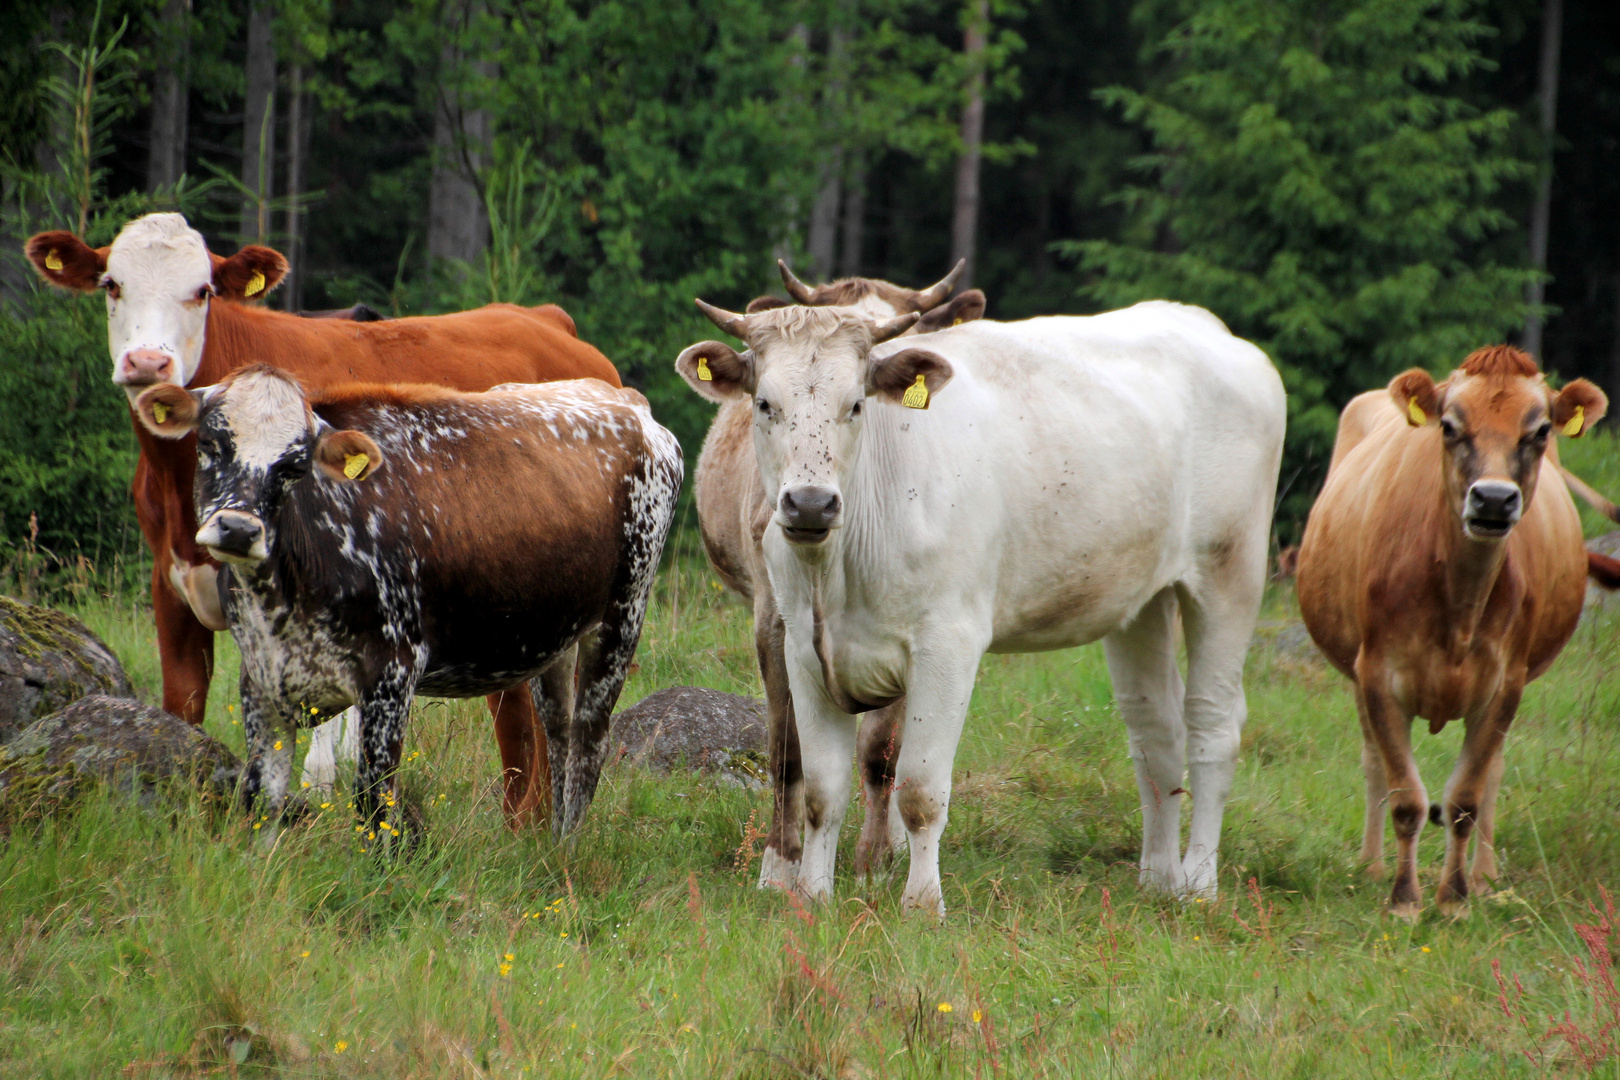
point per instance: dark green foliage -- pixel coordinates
(67, 453)
(1320, 181)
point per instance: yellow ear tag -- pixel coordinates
(1415, 411)
(355, 464)
(916, 394)
(958, 322)
(703, 369)
(160, 411)
(52, 262)
(255, 284)
(1573, 428)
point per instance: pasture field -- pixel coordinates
(172, 943)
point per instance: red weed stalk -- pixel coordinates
(1595, 1048)
(1514, 1009)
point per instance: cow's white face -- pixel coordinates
(256, 438)
(812, 378)
(158, 281)
(159, 278)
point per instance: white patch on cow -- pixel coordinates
(198, 586)
(267, 417)
(159, 264)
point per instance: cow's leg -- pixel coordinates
(876, 750)
(1467, 788)
(336, 740)
(1391, 731)
(552, 693)
(1372, 824)
(185, 650)
(384, 708)
(523, 752)
(1148, 689)
(604, 663)
(784, 841)
(1485, 872)
(826, 744)
(268, 728)
(939, 686)
(1219, 624)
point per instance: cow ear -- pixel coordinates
(959, 309)
(1416, 396)
(169, 411)
(1577, 407)
(909, 377)
(347, 455)
(716, 371)
(66, 261)
(250, 274)
(765, 303)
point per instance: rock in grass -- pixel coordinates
(694, 728)
(116, 740)
(48, 660)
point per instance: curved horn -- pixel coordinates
(938, 293)
(796, 288)
(729, 321)
(894, 327)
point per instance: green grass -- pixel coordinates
(153, 944)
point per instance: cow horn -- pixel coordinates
(796, 288)
(729, 321)
(894, 327)
(938, 293)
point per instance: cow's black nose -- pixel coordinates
(1494, 500)
(810, 508)
(236, 533)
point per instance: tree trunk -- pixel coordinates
(823, 238)
(458, 221)
(258, 125)
(965, 220)
(1552, 32)
(166, 156)
(292, 288)
(849, 262)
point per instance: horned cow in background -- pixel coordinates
(385, 541)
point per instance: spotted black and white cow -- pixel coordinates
(385, 541)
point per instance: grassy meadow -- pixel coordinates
(143, 943)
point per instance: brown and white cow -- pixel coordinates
(1442, 569)
(385, 541)
(175, 315)
(733, 512)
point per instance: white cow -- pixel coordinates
(1079, 478)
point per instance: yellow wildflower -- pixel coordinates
(339, 1046)
(945, 1006)
(977, 1016)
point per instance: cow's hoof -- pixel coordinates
(776, 872)
(1407, 910)
(1375, 869)
(924, 907)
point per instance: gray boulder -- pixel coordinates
(48, 660)
(694, 728)
(117, 740)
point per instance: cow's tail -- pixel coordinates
(1603, 570)
(1590, 496)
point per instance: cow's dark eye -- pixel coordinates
(764, 406)
(1448, 428)
(855, 409)
(1542, 432)
(112, 288)
(205, 292)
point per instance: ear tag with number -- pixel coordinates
(160, 411)
(703, 369)
(916, 396)
(52, 262)
(354, 465)
(255, 284)
(1415, 411)
(1576, 422)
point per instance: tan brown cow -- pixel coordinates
(1442, 569)
(733, 512)
(175, 315)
